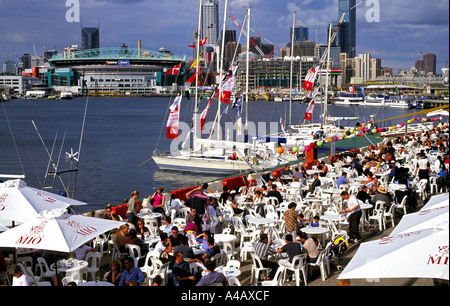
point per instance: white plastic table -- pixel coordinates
(322, 231)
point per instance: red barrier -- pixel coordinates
(121, 210)
(234, 182)
(181, 193)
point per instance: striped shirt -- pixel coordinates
(262, 250)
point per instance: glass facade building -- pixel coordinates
(210, 21)
(346, 38)
(90, 38)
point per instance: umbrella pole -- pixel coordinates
(56, 269)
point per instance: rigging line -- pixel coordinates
(13, 138)
(49, 156)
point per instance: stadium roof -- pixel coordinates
(134, 55)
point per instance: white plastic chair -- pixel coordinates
(422, 189)
(66, 280)
(116, 252)
(322, 263)
(298, 265)
(390, 215)
(94, 262)
(402, 205)
(277, 279)
(433, 184)
(152, 225)
(257, 269)
(34, 280)
(135, 252)
(180, 223)
(43, 270)
(99, 243)
(378, 215)
(233, 264)
(233, 281)
(160, 269)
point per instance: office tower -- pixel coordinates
(25, 61)
(429, 63)
(346, 38)
(210, 21)
(230, 36)
(10, 67)
(90, 38)
(301, 32)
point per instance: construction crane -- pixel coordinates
(238, 24)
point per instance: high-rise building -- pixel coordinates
(346, 38)
(25, 61)
(10, 67)
(90, 38)
(429, 63)
(301, 32)
(210, 21)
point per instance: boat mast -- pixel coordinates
(248, 66)
(292, 72)
(195, 119)
(221, 64)
(324, 118)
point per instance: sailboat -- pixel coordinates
(302, 135)
(218, 155)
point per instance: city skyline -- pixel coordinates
(406, 30)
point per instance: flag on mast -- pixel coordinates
(174, 119)
(308, 84)
(204, 114)
(310, 109)
(202, 43)
(227, 86)
(174, 70)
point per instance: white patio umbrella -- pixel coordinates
(426, 218)
(441, 199)
(19, 202)
(420, 254)
(3, 228)
(56, 231)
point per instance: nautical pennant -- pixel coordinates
(174, 70)
(174, 119)
(308, 84)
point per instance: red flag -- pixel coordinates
(227, 86)
(202, 43)
(352, 90)
(189, 82)
(204, 114)
(174, 70)
(309, 111)
(308, 84)
(174, 119)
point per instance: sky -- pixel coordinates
(403, 32)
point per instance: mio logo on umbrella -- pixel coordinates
(81, 229)
(441, 258)
(46, 198)
(34, 237)
(391, 239)
(2, 201)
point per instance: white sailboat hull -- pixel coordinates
(205, 165)
(199, 164)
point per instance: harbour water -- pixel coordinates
(119, 138)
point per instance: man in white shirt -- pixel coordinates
(354, 210)
(19, 279)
